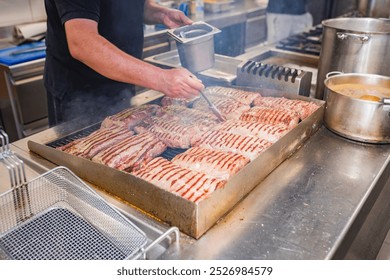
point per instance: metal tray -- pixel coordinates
(191, 218)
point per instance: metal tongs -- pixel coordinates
(212, 107)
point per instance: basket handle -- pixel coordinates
(165, 235)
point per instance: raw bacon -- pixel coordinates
(191, 185)
(131, 153)
(214, 163)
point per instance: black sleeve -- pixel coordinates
(71, 9)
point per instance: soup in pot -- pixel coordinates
(361, 91)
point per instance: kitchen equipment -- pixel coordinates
(357, 119)
(195, 44)
(191, 218)
(217, 6)
(270, 76)
(212, 107)
(374, 8)
(57, 216)
(353, 45)
(23, 53)
(62, 218)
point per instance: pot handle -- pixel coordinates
(344, 35)
(333, 73)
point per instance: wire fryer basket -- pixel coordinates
(57, 216)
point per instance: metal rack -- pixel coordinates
(57, 216)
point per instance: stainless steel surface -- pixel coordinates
(374, 8)
(353, 45)
(212, 107)
(223, 72)
(195, 44)
(315, 205)
(304, 62)
(276, 77)
(64, 219)
(192, 218)
(20, 86)
(362, 120)
(11, 162)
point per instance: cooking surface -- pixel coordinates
(305, 209)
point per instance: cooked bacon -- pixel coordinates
(171, 132)
(271, 116)
(186, 116)
(247, 146)
(191, 185)
(132, 116)
(97, 141)
(229, 107)
(131, 153)
(215, 163)
(245, 97)
(268, 132)
(301, 107)
(170, 101)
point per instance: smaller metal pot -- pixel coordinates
(195, 44)
(357, 119)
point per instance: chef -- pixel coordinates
(287, 17)
(93, 60)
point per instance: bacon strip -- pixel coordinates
(271, 116)
(301, 107)
(132, 116)
(97, 141)
(131, 153)
(171, 132)
(215, 163)
(245, 97)
(268, 132)
(229, 107)
(191, 185)
(247, 146)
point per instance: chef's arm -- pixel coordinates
(172, 18)
(86, 45)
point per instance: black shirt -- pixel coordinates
(119, 21)
(293, 7)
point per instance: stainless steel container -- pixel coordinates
(374, 8)
(353, 118)
(195, 44)
(354, 45)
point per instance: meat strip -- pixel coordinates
(218, 164)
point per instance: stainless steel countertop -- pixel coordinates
(307, 208)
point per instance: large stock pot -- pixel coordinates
(354, 45)
(355, 110)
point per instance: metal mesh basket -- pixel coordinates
(57, 216)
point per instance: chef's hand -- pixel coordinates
(180, 83)
(174, 18)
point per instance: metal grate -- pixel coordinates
(62, 218)
(74, 136)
